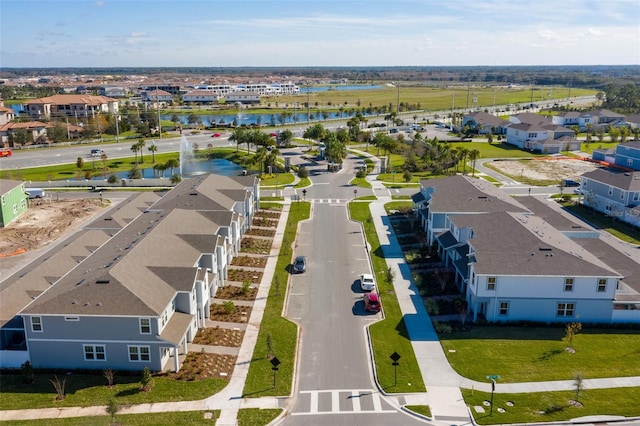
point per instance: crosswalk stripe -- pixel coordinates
(355, 397)
(355, 400)
(335, 402)
(314, 403)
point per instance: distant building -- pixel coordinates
(36, 132)
(70, 106)
(243, 97)
(113, 92)
(201, 97)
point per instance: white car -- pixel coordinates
(367, 283)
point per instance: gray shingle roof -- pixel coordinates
(456, 194)
(628, 181)
(519, 244)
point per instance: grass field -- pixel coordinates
(524, 354)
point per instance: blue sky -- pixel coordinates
(236, 33)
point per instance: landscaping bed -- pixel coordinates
(201, 365)
(255, 245)
(219, 336)
(271, 214)
(242, 275)
(229, 313)
(234, 292)
(261, 221)
(250, 261)
(261, 232)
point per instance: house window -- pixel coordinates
(602, 285)
(504, 309)
(164, 318)
(72, 318)
(23, 204)
(491, 283)
(565, 309)
(629, 162)
(3, 201)
(94, 353)
(36, 323)
(636, 196)
(145, 326)
(15, 209)
(139, 354)
(568, 284)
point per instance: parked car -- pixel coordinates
(570, 182)
(35, 192)
(367, 282)
(372, 302)
(299, 264)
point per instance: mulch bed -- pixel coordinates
(260, 221)
(232, 292)
(219, 336)
(255, 245)
(242, 275)
(261, 232)
(251, 261)
(268, 214)
(218, 313)
(200, 366)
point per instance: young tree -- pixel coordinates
(571, 329)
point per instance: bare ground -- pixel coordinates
(544, 169)
(44, 222)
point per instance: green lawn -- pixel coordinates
(620, 230)
(281, 332)
(87, 390)
(148, 419)
(528, 407)
(390, 335)
(523, 354)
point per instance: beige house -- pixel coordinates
(70, 106)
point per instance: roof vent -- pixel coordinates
(193, 193)
(545, 248)
(102, 281)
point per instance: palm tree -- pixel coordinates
(463, 154)
(134, 148)
(141, 144)
(238, 136)
(152, 149)
(172, 164)
(474, 154)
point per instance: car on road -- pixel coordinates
(5, 153)
(367, 282)
(273, 135)
(96, 152)
(570, 182)
(372, 302)
(299, 265)
(216, 135)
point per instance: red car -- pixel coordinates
(273, 135)
(6, 153)
(372, 302)
(215, 135)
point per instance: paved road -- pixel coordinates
(334, 384)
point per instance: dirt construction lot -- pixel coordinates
(44, 222)
(543, 170)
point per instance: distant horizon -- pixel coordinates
(317, 33)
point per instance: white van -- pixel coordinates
(35, 192)
(97, 152)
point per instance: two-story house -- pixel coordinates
(484, 123)
(614, 193)
(533, 132)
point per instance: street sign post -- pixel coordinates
(275, 362)
(395, 357)
(493, 378)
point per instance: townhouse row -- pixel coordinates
(131, 289)
(520, 259)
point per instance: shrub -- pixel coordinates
(229, 306)
(27, 372)
(146, 381)
(432, 306)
